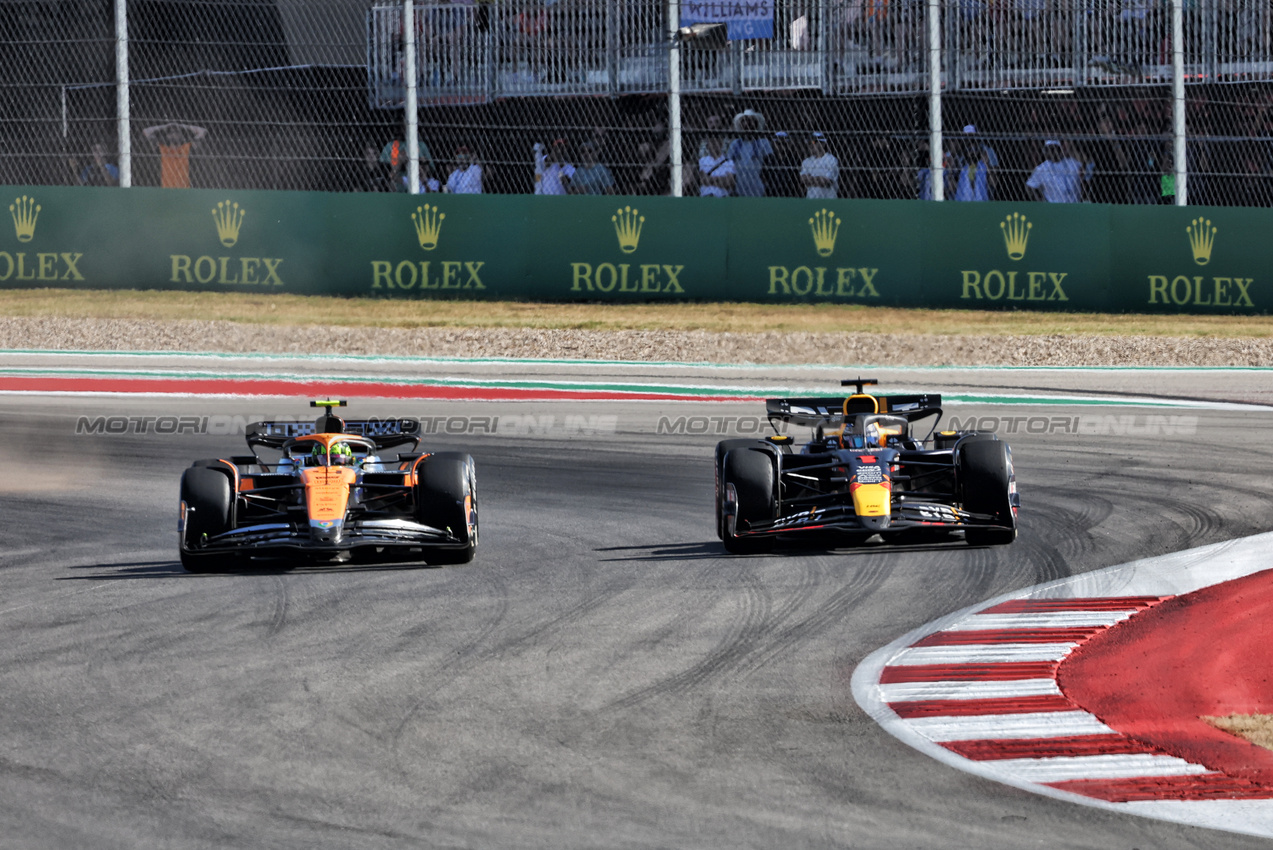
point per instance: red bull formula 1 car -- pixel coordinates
(329, 496)
(864, 472)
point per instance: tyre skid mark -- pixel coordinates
(827, 615)
(278, 619)
(750, 624)
(442, 674)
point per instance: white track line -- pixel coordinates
(911, 691)
(981, 653)
(1044, 620)
(980, 727)
(1064, 768)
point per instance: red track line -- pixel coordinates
(1207, 786)
(999, 636)
(1005, 672)
(976, 707)
(1042, 748)
(1037, 606)
(359, 389)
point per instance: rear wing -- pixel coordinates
(812, 412)
(385, 433)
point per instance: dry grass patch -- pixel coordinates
(252, 309)
(1256, 728)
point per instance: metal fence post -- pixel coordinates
(491, 45)
(1180, 166)
(1210, 14)
(122, 108)
(824, 46)
(1082, 52)
(736, 73)
(953, 42)
(612, 47)
(674, 96)
(936, 167)
(411, 107)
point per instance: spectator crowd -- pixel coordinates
(1108, 151)
(742, 157)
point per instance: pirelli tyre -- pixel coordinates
(984, 470)
(209, 505)
(446, 497)
(723, 448)
(751, 474)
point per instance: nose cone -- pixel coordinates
(326, 530)
(327, 496)
(871, 500)
(875, 523)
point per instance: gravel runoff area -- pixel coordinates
(47, 333)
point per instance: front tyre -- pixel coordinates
(446, 497)
(208, 500)
(985, 482)
(723, 448)
(751, 475)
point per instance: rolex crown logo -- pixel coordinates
(826, 227)
(1202, 238)
(229, 218)
(25, 211)
(1016, 233)
(428, 225)
(627, 226)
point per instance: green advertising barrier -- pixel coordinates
(770, 250)
(1017, 256)
(1192, 259)
(847, 252)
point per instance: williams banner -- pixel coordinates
(1031, 256)
(743, 19)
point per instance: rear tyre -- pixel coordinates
(752, 475)
(208, 499)
(985, 482)
(446, 497)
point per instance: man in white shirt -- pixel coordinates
(716, 170)
(557, 172)
(820, 171)
(1059, 179)
(466, 179)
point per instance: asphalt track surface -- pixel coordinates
(603, 675)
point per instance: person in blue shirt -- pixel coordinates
(591, 177)
(101, 171)
(976, 163)
(749, 152)
(924, 174)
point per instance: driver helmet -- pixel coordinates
(342, 455)
(318, 456)
(879, 434)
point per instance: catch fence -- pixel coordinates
(311, 94)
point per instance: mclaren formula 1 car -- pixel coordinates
(864, 472)
(329, 495)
